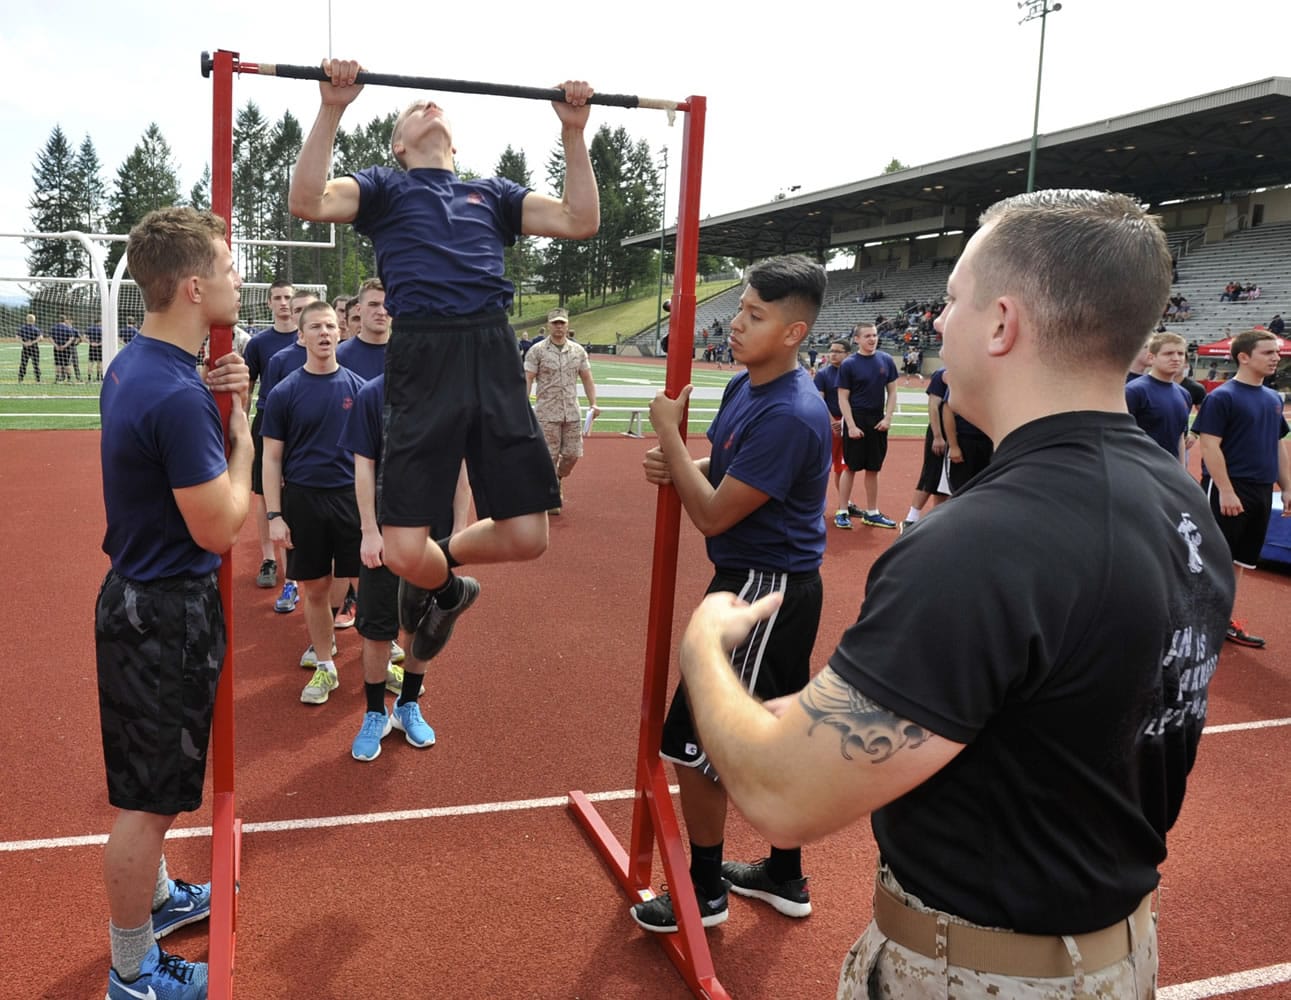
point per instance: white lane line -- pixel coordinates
(1218, 986)
(324, 822)
(1238, 727)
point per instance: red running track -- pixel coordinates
(537, 695)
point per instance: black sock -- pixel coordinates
(784, 865)
(376, 696)
(350, 595)
(706, 869)
(450, 594)
(411, 689)
(443, 547)
(334, 610)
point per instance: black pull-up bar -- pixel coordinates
(455, 86)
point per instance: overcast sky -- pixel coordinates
(809, 93)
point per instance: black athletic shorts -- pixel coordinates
(96, 352)
(159, 648)
(325, 532)
(455, 388)
(377, 614)
(866, 453)
(931, 471)
(257, 454)
(774, 660)
(1244, 533)
(976, 450)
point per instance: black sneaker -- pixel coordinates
(268, 575)
(436, 625)
(1237, 633)
(854, 511)
(655, 915)
(414, 602)
(790, 898)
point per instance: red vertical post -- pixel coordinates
(652, 815)
(226, 828)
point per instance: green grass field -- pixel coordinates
(622, 387)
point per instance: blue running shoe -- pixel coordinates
(407, 719)
(877, 520)
(187, 904)
(163, 977)
(375, 728)
(843, 520)
(288, 599)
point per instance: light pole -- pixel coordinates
(663, 217)
(1042, 10)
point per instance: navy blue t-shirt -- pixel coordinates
(263, 346)
(1160, 408)
(775, 438)
(282, 364)
(866, 377)
(1248, 420)
(364, 359)
(161, 432)
(94, 334)
(62, 334)
(827, 382)
(129, 333)
(439, 239)
(307, 413)
(28, 333)
(362, 433)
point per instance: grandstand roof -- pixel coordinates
(1227, 141)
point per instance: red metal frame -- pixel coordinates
(226, 837)
(653, 817)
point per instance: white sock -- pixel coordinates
(130, 946)
(161, 892)
(913, 515)
(328, 665)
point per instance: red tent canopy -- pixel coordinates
(1224, 348)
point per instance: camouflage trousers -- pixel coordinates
(877, 968)
(565, 442)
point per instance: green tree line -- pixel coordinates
(70, 193)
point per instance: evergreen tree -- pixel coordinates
(563, 261)
(251, 169)
(55, 208)
(146, 181)
(200, 195)
(521, 259)
(284, 148)
(91, 192)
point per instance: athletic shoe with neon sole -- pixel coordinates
(375, 728)
(436, 626)
(407, 719)
(394, 679)
(790, 898)
(309, 659)
(396, 652)
(163, 977)
(345, 614)
(655, 914)
(877, 521)
(288, 599)
(322, 684)
(1237, 634)
(854, 511)
(187, 904)
(842, 520)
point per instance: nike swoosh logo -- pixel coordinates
(150, 995)
(183, 909)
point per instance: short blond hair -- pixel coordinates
(168, 245)
(1158, 340)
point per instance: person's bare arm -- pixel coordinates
(712, 510)
(577, 214)
(890, 409)
(371, 545)
(845, 408)
(312, 196)
(828, 758)
(214, 511)
(1212, 454)
(279, 530)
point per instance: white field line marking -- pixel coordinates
(1237, 727)
(1270, 975)
(323, 822)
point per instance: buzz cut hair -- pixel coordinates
(169, 245)
(1092, 268)
(370, 285)
(318, 305)
(792, 278)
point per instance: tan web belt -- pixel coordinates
(1034, 956)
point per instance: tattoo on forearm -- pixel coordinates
(860, 723)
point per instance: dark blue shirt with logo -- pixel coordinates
(307, 413)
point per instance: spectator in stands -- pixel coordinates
(1276, 325)
(1230, 292)
(30, 336)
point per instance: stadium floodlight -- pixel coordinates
(1036, 9)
